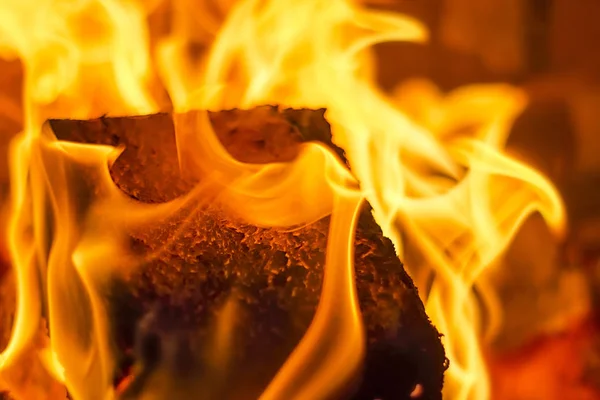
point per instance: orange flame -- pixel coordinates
(431, 166)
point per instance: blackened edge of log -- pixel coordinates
(314, 126)
(245, 133)
(401, 351)
(403, 348)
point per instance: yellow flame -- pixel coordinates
(432, 167)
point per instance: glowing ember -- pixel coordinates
(432, 166)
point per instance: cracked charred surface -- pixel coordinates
(272, 277)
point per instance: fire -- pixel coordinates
(432, 167)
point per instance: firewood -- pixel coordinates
(271, 277)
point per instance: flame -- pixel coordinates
(432, 166)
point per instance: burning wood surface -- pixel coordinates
(272, 278)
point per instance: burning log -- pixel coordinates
(230, 301)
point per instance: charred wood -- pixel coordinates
(166, 312)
